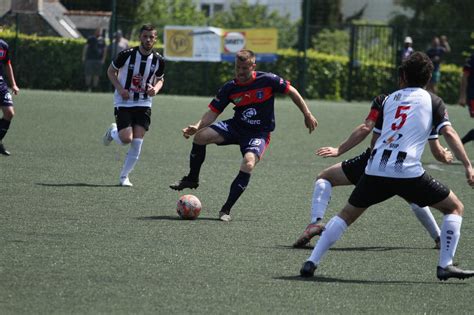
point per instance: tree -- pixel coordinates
(244, 15)
(438, 17)
(168, 12)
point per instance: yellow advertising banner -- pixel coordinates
(260, 40)
(179, 43)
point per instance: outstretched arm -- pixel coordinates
(356, 137)
(208, 118)
(11, 77)
(452, 138)
(309, 120)
(439, 152)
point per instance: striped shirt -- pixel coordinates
(135, 72)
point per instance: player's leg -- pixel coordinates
(252, 149)
(340, 174)
(426, 190)
(197, 156)
(141, 120)
(239, 184)
(468, 137)
(6, 104)
(426, 218)
(369, 190)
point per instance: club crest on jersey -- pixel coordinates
(137, 83)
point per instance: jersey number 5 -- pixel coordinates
(400, 114)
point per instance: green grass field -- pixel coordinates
(72, 241)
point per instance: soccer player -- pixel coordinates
(137, 75)
(466, 94)
(253, 95)
(6, 101)
(350, 171)
(394, 167)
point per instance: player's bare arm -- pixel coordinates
(207, 119)
(357, 136)
(452, 138)
(440, 153)
(309, 120)
(11, 77)
(112, 74)
(152, 90)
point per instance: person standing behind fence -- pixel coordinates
(119, 43)
(466, 94)
(93, 58)
(6, 101)
(439, 47)
(407, 48)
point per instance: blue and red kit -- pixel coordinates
(4, 59)
(254, 102)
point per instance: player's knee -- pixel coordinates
(459, 208)
(8, 114)
(126, 139)
(247, 165)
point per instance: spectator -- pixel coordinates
(436, 52)
(119, 43)
(93, 58)
(407, 48)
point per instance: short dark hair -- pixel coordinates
(246, 55)
(416, 69)
(147, 27)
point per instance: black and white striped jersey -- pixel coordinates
(405, 124)
(135, 71)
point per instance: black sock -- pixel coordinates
(468, 137)
(196, 158)
(236, 189)
(4, 125)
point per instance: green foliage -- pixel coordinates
(53, 63)
(244, 15)
(332, 42)
(168, 12)
(436, 18)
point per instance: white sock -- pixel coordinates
(426, 218)
(115, 136)
(132, 157)
(333, 232)
(450, 234)
(321, 197)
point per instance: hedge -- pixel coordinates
(53, 63)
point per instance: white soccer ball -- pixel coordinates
(188, 207)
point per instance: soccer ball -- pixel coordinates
(188, 207)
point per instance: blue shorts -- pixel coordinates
(6, 98)
(252, 142)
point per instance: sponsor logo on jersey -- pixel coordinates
(255, 142)
(248, 114)
(390, 140)
(137, 83)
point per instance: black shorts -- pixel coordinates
(354, 168)
(131, 116)
(423, 190)
(6, 98)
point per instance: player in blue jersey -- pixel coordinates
(6, 101)
(253, 95)
(466, 94)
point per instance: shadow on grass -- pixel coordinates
(173, 218)
(77, 185)
(355, 249)
(323, 279)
